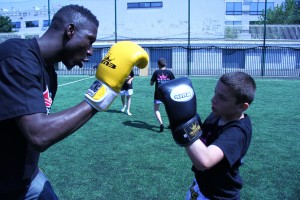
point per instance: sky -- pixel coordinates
(31, 4)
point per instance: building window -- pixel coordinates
(297, 55)
(30, 24)
(254, 22)
(158, 4)
(16, 24)
(156, 54)
(233, 8)
(273, 56)
(233, 58)
(46, 23)
(233, 22)
(257, 8)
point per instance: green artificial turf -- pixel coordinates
(116, 156)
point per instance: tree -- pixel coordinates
(286, 13)
(5, 24)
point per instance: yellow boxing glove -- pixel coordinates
(112, 72)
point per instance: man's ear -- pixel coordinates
(70, 30)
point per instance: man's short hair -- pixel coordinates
(78, 15)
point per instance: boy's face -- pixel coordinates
(224, 103)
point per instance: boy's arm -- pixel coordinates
(131, 77)
(153, 78)
(180, 102)
(204, 157)
(130, 80)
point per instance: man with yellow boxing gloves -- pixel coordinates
(28, 84)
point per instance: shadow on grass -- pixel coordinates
(141, 124)
(113, 111)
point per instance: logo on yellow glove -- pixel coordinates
(107, 60)
(100, 94)
(97, 91)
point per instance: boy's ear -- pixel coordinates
(244, 106)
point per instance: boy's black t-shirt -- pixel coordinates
(27, 86)
(127, 86)
(223, 181)
(160, 76)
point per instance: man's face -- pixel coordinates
(78, 48)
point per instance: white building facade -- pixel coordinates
(219, 33)
(167, 19)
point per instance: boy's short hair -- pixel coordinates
(162, 62)
(242, 85)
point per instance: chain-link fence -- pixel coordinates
(210, 60)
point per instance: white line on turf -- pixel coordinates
(75, 81)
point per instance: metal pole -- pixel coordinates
(48, 12)
(116, 36)
(189, 39)
(263, 60)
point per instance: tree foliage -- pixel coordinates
(5, 24)
(286, 13)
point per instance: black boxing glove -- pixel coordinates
(180, 103)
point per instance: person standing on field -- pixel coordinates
(217, 146)
(126, 93)
(28, 85)
(160, 76)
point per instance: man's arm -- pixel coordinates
(42, 131)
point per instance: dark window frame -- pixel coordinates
(157, 53)
(46, 23)
(233, 58)
(273, 56)
(257, 8)
(16, 24)
(297, 58)
(155, 4)
(237, 8)
(32, 24)
(236, 23)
